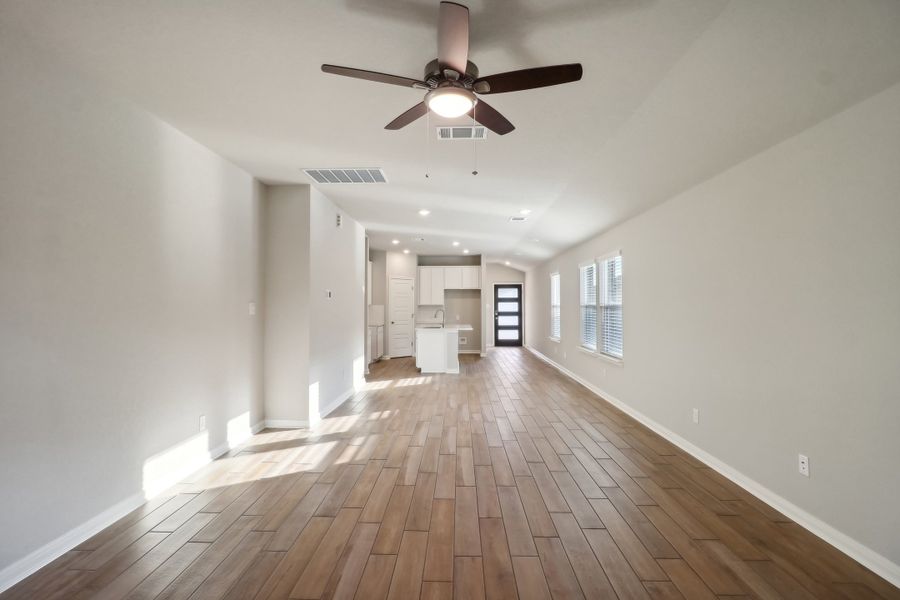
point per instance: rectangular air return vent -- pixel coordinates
(518, 219)
(327, 176)
(466, 132)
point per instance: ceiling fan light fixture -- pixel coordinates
(450, 101)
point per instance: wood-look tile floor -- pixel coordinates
(508, 480)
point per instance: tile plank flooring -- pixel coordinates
(506, 481)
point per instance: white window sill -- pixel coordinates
(553, 339)
(605, 357)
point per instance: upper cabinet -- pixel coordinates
(431, 286)
(437, 285)
(453, 278)
(471, 278)
(434, 280)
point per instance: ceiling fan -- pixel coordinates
(452, 81)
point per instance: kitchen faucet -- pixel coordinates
(443, 315)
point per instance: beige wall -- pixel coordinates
(497, 273)
(314, 342)
(128, 256)
(287, 304)
(769, 298)
(379, 276)
(337, 327)
(464, 306)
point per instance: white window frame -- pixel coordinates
(601, 342)
(557, 306)
(597, 352)
(582, 343)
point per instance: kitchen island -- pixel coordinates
(437, 348)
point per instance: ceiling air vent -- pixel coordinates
(328, 176)
(461, 133)
(518, 219)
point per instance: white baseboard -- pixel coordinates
(52, 550)
(869, 558)
(323, 412)
(285, 424)
(331, 406)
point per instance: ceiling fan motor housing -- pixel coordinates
(434, 74)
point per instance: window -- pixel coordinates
(610, 270)
(554, 307)
(588, 293)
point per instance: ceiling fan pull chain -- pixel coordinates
(474, 146)
(427, 145)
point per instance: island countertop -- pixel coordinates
(450, 327)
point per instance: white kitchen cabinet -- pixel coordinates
(437, 285)
(431, 286)
(471, 277)
(462, 278)
(375, 343)
(425, 285)
(453, 278)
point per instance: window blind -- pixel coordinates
(611, 306)
(588, 285)
(554, 306)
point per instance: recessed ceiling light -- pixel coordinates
(525, 211)
(456, 243)
(466, 251)
(406, 251)
(395, 242)
(507, 263)
(424, 212)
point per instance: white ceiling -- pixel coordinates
(674, 92)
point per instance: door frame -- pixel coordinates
(387, 317)
(520, 314)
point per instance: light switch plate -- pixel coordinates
(251, 308)
(202, 424)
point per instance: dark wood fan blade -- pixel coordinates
(488, 116)
(374, 76)
(527, 79)
(453, 37)
(408, 117)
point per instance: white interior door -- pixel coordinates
(402, 309)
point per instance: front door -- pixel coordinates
(508, 314)
(402, 308)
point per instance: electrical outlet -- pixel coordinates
(463, 341)
(564, 354)
(803, 465)
(202, 422)
(603, 372)
(695, 415)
